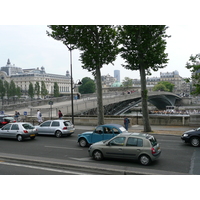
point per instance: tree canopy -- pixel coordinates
(164, 86)
(88, 86)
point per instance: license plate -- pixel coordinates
(32, 135)
(71, 131)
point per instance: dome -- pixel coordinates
(116, 84)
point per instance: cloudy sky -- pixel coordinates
(24, 41)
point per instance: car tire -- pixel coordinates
(97, 155)
(19, 138)
(58, 134)
(144, 159)
(83, 142)
(195, 141)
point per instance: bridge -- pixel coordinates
(113, 104)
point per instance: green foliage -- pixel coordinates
(127, 82)
(194, 65)
(44, 91)
(164, 86)
(18, 92)
(2, 89)
(56, 92)
(88, 86)
(37, 89)
(31, 90)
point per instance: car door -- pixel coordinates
(5, 131)
(115, 148)
(55, 125)
(97, 135)
(44, 128)
(133, 147)
(108, 133)
(14, 130)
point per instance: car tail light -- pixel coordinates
(65, 128)
(153, 151)
(25, 131)
(4, 122)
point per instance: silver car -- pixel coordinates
(58, 128)
(137, 146)
(18, 130)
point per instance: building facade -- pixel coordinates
(23, 77)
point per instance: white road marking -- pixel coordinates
(63, 148)
(44, 168)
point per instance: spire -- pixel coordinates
(8, 63)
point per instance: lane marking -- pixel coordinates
(63, 148)
(45, 169)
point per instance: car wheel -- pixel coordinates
(58, 134)
(144, 160)
(194, 141)
(33, 137)
(19, 138)
(97, 155)
(83, 142)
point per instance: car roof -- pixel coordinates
(142, 135)
(115, 125)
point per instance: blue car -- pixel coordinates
(102, 132)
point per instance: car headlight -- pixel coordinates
(185, 135)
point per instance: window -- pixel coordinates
(27, 126)
(55, 124)
(15, 127)
(116, 131)
(6, 127)
(99, 129)
(67, 123)
(45, 124)
(107, 130)
(134, 142)
(119, 141)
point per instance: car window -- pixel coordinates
(152, 140)
(45, 124)
(67, 123)
(55, 123)
(134, 142)
(15, 127)
(28, 126)
(118, 141)
(6, 127)
(116, 131)
(99, 130)
(107, 130)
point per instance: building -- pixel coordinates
(117, 75)
(23, 77)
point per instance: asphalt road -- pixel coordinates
(177, 157)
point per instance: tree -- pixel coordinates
(127, 82)
(7, 89)
(98, 45)
(2, 91)
(88, 86)
(18, 92)
(143, 49)
(37, 89)
(31, 90)
(164, 86)
(194, 65)
(56, 92)
(44, 91)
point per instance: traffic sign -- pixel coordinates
(25, 113)
(50, 102)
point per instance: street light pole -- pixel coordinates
(72, 99)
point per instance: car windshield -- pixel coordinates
(28, 126)
(152, 140)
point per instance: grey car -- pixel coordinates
(18, 130)
(137, 146)
(58, 128)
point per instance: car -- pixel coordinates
(101, 132)
(192, 137)
(58, 128)
(137, 146)
(18, 130)
(5, 119)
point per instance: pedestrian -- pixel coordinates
(126, 122)
(16, 115)
(39, 116)
(60, 115)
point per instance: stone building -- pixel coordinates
(23, 77)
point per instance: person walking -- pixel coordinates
(16, 116)
(39, 117)
(126, 122)
(60, 115)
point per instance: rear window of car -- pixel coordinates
(28, 126)
(67, 123)
(8, 119)
(152, 140)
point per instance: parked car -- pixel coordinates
(102, 132)
(18, 130)
(138, 146)
(58, 128)
(192, 137)
(5, 119)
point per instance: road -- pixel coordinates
(176, 157)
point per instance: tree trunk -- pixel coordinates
(100, 111)
(144, 96)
